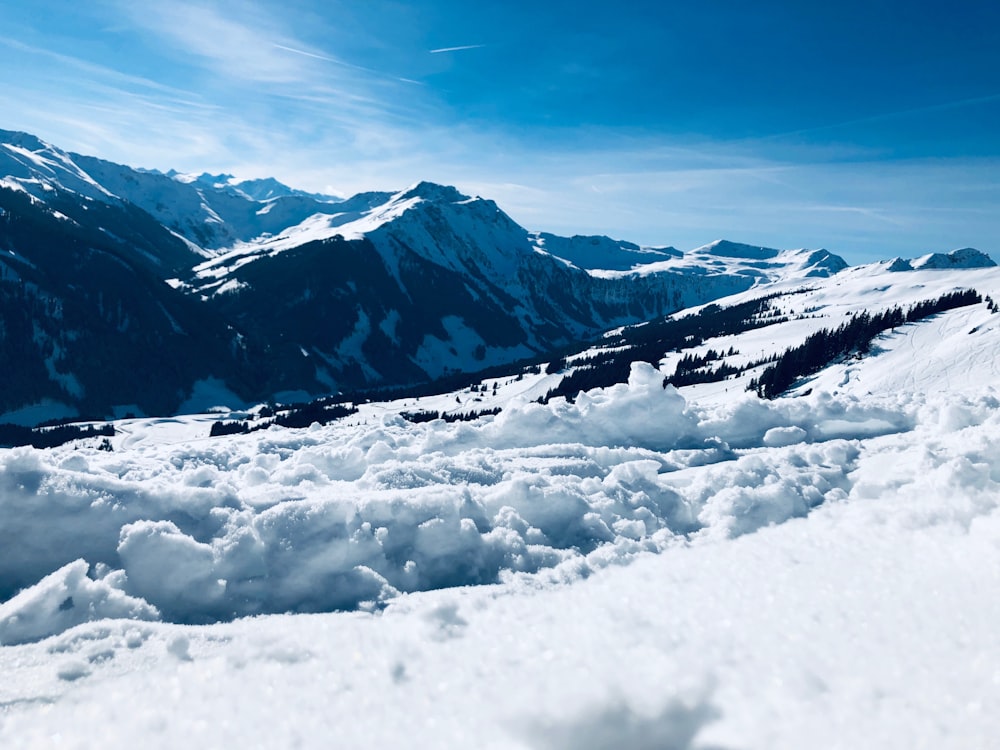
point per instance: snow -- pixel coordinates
(966, 257)
(634, 569)
(351, 225)
(643, 567)
(64, 599)
(600, 253)
(867, 622)
(36, 167)
(756, 264)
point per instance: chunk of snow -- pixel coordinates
(66, 598)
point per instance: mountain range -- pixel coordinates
(127, 290)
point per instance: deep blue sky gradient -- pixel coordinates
(869, 128)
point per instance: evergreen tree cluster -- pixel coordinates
(693, 368)
(13, 435)
(853, 337)
(424, 415)
(649, 342)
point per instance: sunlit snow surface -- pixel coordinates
(662, 570)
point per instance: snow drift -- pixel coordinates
(343, 518)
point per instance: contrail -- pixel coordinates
(345, 64)
(457, 49)
(317, 57)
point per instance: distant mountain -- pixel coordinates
(761, 264)
(601, 253)
(432, 282)
(133, 290)
(966, 257)
(269, 188)
(212, 215)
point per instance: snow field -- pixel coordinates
(868, 623)
(348, 517)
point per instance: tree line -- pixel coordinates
(853, 337)
(14, 435)
(427, 415)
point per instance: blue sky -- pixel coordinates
(869, 128)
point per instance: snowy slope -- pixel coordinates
(601, 253)
(953, 352)
(673, 592)
(802, 634)
(36, 167)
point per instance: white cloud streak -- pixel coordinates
(456, 49)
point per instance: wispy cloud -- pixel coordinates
(314, 55)
(456, 49)
(93, 71)
(236, 92)
(238, 49)
(254, 64)
(252, 47)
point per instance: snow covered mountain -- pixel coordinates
(264, 189)
(254, 291)
(609, 258)
(430, 282)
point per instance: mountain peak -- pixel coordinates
(431, 191)
(23, 140)
(211, 180)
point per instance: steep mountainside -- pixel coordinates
(87, 322)
(428, 283)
